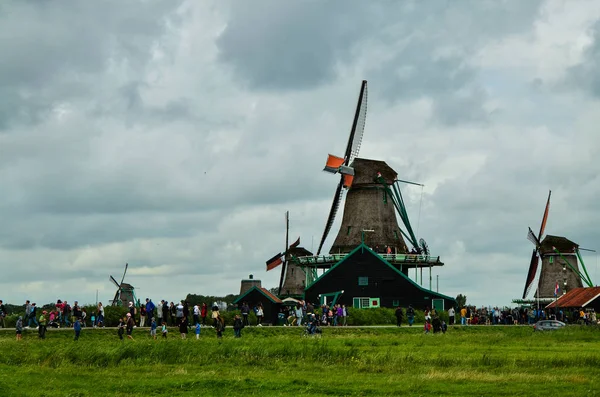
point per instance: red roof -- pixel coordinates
(270, 295)
(578, 297)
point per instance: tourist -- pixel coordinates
(19, 328)
(399, 315)
(186, 313)
(183, 329)
(42, 326)
(121, 328)
(27, 311)
(197, 330)
(245, 312)
(444, 327)
(344, 315)
(129, 326)
(2, 314)
(215, 315)
(150, 308)
(159, 312)
(132, 311)
(203, 313)
(463, 316)
(410, 315)
(179, 313)
(164, 330)
(142, 315)
(32, 315)
(153, 328)
(220, 326)
(451, 315)
(77, 328)
(196, 311)
(237, 326)
(259, 314)
(100, 322)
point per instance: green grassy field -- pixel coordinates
(473, 361)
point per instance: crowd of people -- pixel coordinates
(471, 315)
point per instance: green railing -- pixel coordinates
(392, 258)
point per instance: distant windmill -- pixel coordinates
(561, 262)
(125, 292)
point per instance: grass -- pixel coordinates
(467, 361)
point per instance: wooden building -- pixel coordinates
(270, 303)
(368, 280)
(577, 298)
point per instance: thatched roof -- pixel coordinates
(299, 251)
(562, 244)
(365, 171)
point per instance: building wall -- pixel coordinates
(555, 270)
(383, 283)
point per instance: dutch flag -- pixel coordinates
(556, 289)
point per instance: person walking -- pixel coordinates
(399, 315)
(203, 313)
(129, 326)
(42, 326)
(77, 328)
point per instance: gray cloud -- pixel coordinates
(173, 136)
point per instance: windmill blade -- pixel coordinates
(545, 218)
(531, 237)
(126, 265)
(116, 297)
(111, 278)
(358, 125)
(334, 207)
(533, 265)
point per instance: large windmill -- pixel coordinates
(125, 292)
(373, 196)
(560, 259)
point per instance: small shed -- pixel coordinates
(588, 298)
(270, 303)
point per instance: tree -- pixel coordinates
(461, 300)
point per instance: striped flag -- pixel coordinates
(556, 289)
(274, 261)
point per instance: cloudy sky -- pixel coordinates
(173, 135)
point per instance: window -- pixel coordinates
(365, 303)
(396, 235)
(551, 259)
(348, 232)
(363, 281)
(396, 303)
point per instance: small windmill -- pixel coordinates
(125, 292)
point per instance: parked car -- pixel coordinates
(548, 325)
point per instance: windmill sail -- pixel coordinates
(358, 125)
(533, 265)
(545, 218)
(354, 141)
(334, 207)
